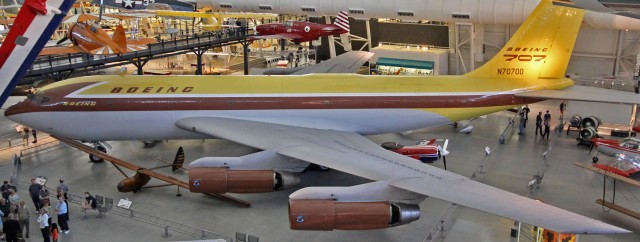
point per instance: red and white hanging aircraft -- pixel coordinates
(298, 31)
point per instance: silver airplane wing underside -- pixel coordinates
(355, 154)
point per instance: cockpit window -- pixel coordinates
(38, 97)
(288, 24)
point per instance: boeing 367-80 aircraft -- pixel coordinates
(321, 119)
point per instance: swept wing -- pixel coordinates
(352, 153)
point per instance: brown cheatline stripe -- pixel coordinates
(264, 103)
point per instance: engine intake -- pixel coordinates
(330, 215)
(222, 180)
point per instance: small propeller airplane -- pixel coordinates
(298, 31)
(426, 151)
(92, 39)
(626, 153)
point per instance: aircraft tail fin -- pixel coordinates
(342, 21)
(178, 162)
(541, 47)
(35, 23)
(119, 37)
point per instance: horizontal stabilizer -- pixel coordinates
(587, 94)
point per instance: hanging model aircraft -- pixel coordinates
(321, 118)
(298, 31)
(495, 12)
(147, 4)
(92, 39)
(622, 8)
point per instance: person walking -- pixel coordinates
(34, 192)
(11, 228)
(547, 123)
(23, 218)
(43, 221)
(62, 210)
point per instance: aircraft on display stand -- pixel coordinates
(298, 31)
(626, 153)
(322, 119)
(426, 151)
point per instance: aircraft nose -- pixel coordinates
(18, 108)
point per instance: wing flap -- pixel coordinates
(582, 93)
(352, 153)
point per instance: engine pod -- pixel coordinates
(330, 215)
(222, 180)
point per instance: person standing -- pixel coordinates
(539, 123)
(35, 136)
(562, 107)
(25, 136)
(526, 111)
(63, 215)
(5, 207)
(34, 191)
(23, 218)
(43, 195)
(43, 221)
(13, 197)
(547, 123)
(5, 189)
(63, 188)
(1, 226)
(521, 124)
(11, 228)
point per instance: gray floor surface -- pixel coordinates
(510, 167)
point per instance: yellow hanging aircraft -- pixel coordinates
(321, 118)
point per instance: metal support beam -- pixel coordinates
(245, 47)
(139, 63)
(199, 52)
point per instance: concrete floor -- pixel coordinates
(510, 167)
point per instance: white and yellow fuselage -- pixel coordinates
(144, 108)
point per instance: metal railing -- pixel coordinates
(62, 65)
(165, 224)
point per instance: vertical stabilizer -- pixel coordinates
(342, 20)
(541, 47)
(120, 38)
(35, 23)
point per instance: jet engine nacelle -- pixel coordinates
(134, 183)
(222, 180)
(330, 215)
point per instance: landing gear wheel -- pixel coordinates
(96, 159)
(595, 159)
